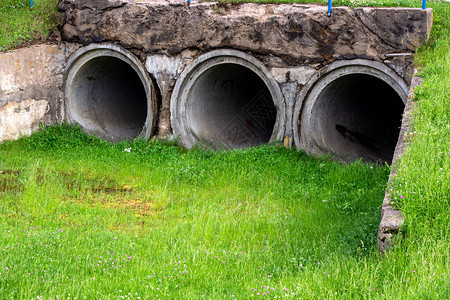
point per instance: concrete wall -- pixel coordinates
(31, 88)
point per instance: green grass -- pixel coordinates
(191, 224)
(19, 23)
(235, 220)
(421, 188)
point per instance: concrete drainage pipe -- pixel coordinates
(353, 111)
(109, 93)
(227, 99)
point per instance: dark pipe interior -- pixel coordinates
(109, 98)
(358, 116)
(230, 106)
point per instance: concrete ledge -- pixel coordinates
(392, 219)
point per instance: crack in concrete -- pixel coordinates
(372, 31)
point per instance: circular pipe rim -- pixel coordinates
(304, 104)
(85, 54)
(187, 78)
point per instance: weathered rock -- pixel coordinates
(31, 88)
(295, 33)
(165, 70)
(395, 27)
(22, 118)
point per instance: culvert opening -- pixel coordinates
(230, 106)
(107, 97)
(357, 116)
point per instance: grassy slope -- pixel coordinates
(422, 187)
(19, 23)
